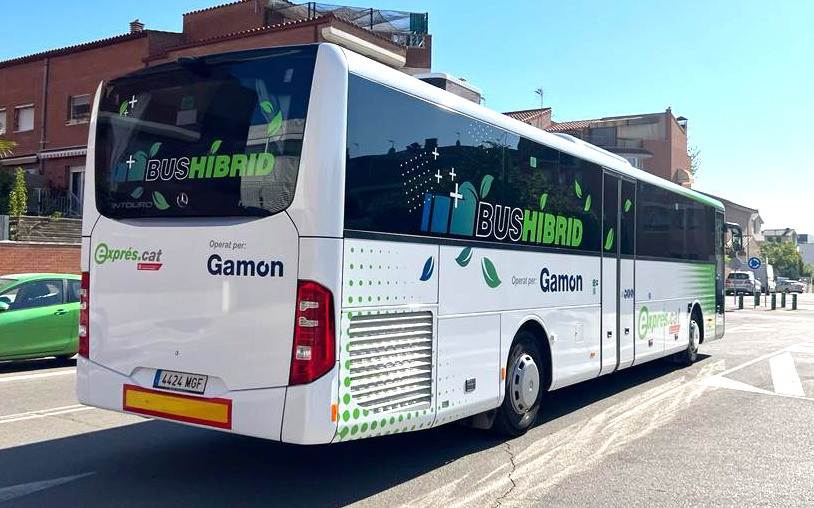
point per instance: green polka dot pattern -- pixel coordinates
(357, 421)
(376, 273)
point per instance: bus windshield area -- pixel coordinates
(211, 136)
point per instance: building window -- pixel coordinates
(603, 136)
(79, 108)
(2, 121)
(24, 118)
(636, 162)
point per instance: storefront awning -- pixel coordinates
(68, 152)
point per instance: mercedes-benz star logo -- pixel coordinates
(182, 199)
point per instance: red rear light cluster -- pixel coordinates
(84, 310)
(314, 351)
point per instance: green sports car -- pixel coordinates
(39, 315)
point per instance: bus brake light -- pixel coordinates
(84, 311)
(314, 341)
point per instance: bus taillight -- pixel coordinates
(314, 342)
(84, 310)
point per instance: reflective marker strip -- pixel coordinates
(184, 408)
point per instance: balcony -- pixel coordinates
(401, 27)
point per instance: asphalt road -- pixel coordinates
(736, 428)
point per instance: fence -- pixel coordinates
(41, 229)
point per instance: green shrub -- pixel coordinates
(18, 197)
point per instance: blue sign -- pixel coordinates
(754, 263)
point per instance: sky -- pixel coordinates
(741, 71)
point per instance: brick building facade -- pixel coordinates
(45, 98)
(654, 142)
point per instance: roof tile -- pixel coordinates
(525, 115)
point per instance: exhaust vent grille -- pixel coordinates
(391, 361)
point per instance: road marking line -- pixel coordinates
(725, 382)
(761, 358)
(59, 408)
(36, 376)
(803, 348)
(24, 489)
(42, 413)
(784, 375)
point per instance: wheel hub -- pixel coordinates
(695, 335)
(524, 384)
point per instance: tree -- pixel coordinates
(6, 147)
(694, 154)
(6, 179)
(18, 197)
(786, 259)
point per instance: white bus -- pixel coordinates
(307, 246)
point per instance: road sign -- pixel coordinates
(754, 263)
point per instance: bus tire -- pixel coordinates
(690, 355)
(525, 375)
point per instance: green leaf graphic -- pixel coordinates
(588, 203)
(275, 124)
(123, 108)
(628, 204)
(543, 200)
(137, 192)
(159, 201)
(267, 107)
(154, 149)
(215, 146)
(485, 185)
(489, 273)
(577, 189)
(609, 239)
(464, 257)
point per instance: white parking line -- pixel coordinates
(784, 375)
(23, 377)
(42, 413)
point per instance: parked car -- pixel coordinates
(785, 285)
(39, 315)
(741, 282)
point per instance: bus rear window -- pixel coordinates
(211, 136)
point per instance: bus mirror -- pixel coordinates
(736, 234)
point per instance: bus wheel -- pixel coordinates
(524, 389)
(689, 355)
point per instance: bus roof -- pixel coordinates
(367, 68)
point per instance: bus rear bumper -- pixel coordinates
(257, 413)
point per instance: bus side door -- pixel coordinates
(610, 273)
(618, 267)
(627, 273)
